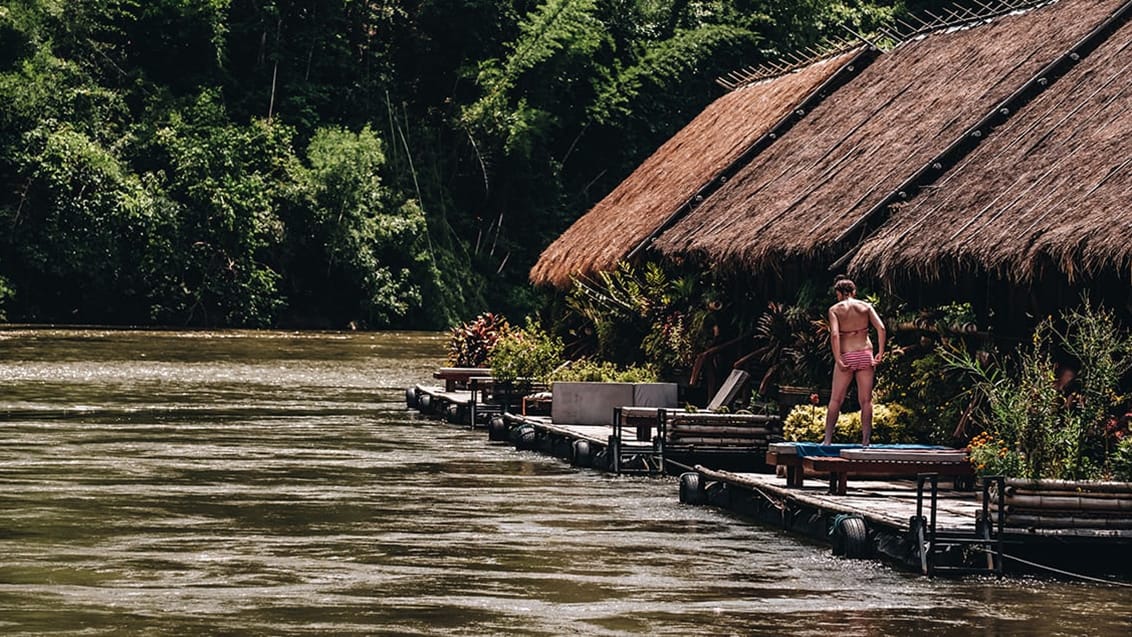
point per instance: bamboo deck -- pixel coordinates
(888, 503)
(598, 434)
(442, 396)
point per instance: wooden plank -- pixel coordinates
(727, 391)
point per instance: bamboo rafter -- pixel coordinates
(892, 35)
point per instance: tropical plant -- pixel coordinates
(792, 344)
(992, 456)
(587, 370)
(644, 314)
(471, 344)
(1120, 461)
(1055, 435)
(529, 353)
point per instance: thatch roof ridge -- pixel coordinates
(670, 178)
(795, 200)
(1048, 190)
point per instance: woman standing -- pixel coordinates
(849, 321)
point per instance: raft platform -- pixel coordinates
(916, 524)
(864, 502)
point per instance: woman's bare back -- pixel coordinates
(851, 318)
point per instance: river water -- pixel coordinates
(273, 483)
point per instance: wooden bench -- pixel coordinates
(898, 464)
(699, 434)
(791, 461)
(458, 377)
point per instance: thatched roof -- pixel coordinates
(854, 151)
(676, 172)
(1051, 188)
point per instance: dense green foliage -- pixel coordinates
(1035, 428)
(276, 162)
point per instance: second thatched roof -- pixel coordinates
(795, 200)
(1050, 189)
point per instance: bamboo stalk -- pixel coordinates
(1100, 495)
(1068, 503)
(707, 417)
(1071, 522)
(1069, 485)
(721, 442)
(720, 429)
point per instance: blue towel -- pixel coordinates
(804, 449)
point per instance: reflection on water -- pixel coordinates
(250, 483)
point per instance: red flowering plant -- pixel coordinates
(471, 344)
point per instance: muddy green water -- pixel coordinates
(269, 483)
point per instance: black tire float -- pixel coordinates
(583, 454)
(850, 537)
(692, 489)
(601, 460)
(497, 429)
(453, 414)
(564, 448)
(411, 397)
(424, 403)
(526, 438)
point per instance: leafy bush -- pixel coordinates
(635, 311)
(6, 293)
(1120, 460)
(807, 423)
(792, 343)
(994, 457)
(470, 344)
(1057, 436)
(526, 353)
(936, 394)
(586, 370)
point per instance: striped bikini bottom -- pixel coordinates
(858, 360)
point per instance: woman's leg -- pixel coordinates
(865, 379)
(841, 378)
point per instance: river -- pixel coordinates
(273, 483)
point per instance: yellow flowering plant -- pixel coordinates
(991, 456)
(807, 423)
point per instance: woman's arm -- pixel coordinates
(878, 325)
(835, 339)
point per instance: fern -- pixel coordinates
(666, 65)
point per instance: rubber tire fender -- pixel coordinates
(692, 489)
(583, 454)
(851, 538)
(497, 429)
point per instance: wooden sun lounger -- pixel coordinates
(887, 463)
(458, 377)
(788, 459)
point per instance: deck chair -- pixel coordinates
(728, 390)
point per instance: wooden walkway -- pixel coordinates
(597, 434)
(889, 503)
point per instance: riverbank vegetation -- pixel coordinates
(374, 164)
(1049, 400)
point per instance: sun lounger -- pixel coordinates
(889, 463)
(839, 461)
